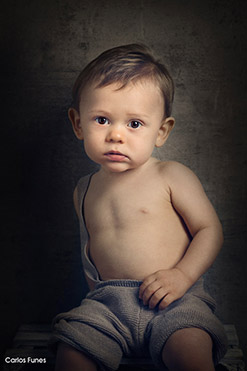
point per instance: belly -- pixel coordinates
(137, 252)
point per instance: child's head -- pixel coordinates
(122, 65)
(122, 106)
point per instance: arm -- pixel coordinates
(90, 283)
(76, 202)
(191, 202)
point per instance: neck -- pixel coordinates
(127, 173)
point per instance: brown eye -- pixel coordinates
(134, 124)
(102, 120)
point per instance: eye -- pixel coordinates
(102, 120)
(134, 124)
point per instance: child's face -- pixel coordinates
(121, 127)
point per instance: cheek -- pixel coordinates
(93, 143)
(144, 148)
(90, 144)
(91, 149)
(91, 137)
(150, 140)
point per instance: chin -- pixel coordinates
(116, 168)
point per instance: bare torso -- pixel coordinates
(134, 229)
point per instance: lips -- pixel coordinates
(115, 156)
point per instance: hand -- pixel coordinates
(163, 287)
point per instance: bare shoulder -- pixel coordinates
(172, 166)
(188, 196)
(178, 174)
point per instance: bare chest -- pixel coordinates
(126, 205)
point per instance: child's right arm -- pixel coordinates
(76, 202)
(90, 283)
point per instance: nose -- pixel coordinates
(115, 134)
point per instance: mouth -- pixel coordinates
(115, 156)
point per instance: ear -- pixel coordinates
(164, 131)
(74, 117)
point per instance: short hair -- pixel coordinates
(125, 64)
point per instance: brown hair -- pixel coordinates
(125, 64)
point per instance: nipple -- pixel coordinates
(144, 210)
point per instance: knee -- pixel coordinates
(188, 349)
(69, 358)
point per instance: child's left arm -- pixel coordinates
(190, 201)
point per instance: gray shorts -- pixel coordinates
(111, 322)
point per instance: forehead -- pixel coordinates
(143, 93)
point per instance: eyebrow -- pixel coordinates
(138, 115)
(130, 114)
(99, 111)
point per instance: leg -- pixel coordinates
(69, 359)
(189, 349)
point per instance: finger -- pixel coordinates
(166, 301)
(156, 298)
(149, 291)
(145, 284)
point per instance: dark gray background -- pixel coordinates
(44, 46)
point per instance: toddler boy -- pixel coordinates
(151, 232)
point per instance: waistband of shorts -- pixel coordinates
(119, 283)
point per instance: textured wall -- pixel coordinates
(44, 46)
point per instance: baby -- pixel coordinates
(148, 230)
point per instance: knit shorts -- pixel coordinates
(112, 322)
